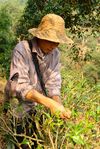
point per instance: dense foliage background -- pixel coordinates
(74, 12)
(80, 70)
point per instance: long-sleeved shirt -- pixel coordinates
(23, 65)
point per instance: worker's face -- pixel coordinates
(47, 46)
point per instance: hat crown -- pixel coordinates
(52, 21)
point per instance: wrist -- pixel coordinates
(57, 99)
(53, 104)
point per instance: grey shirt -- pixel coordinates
(22, 64)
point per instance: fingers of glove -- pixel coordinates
(65, 115)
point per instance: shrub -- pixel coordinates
(73, 12)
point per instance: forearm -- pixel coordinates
(35, 96)
(54, 106)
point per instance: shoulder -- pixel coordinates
(21, 47)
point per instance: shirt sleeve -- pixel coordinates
(19, 65)
(53, 84)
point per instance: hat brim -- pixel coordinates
(51, 35)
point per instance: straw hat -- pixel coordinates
(51, 28)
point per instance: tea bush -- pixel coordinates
(81, 131)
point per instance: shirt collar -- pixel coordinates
(36, 49)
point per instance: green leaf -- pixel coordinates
(78, 140)
(25, 141)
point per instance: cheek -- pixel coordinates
(47, 46)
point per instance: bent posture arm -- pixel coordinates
(54, 106)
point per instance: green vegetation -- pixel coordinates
(83, 13)
(9, 15)
(81, 131)
(80, 70)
